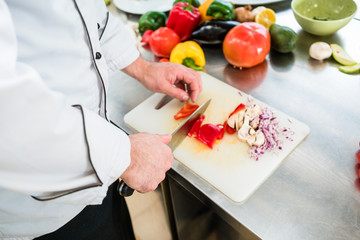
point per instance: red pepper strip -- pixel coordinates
(196, 126)
(240, 107)
(229, 129)
(183, 19)
(208, 134)
(221, 134)
(225, 128)
(146, 36)
(164, 60)
(187, 110)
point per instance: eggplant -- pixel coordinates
(213, 31)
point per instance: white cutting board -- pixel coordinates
(227, 166)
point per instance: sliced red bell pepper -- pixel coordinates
(240, 107)
(229, 129)
(222, 132)
(208, 134)
(196, 126)
(183, 19)
(187, 110)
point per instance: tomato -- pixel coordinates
(163, 40)
(247, 44)
(164, 60)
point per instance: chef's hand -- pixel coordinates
(150, 159)
(163, 77)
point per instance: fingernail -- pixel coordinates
(184, 97)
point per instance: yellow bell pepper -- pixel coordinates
(190, 54)
(203, 9)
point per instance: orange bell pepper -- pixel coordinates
(203, 9)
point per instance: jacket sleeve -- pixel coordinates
(48, 147)
(119, 49)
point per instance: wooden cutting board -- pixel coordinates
(227, 166)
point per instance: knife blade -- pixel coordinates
(164, 100)
(178, 136)
(181, 132)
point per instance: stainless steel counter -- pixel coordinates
(315, 193)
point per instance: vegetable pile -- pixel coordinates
(242, 31)
(253, 124)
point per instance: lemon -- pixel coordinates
(350, 69)
(266, 17)
(341, 56)
(283, 39)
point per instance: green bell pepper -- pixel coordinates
(194, 3)
(151, 20)
(220, 9)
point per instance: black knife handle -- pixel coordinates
(124, 190)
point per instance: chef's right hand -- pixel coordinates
(150, 159)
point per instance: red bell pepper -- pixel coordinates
(222, 132)
(207, 134)
(187, 110)
(146, 39)
(196, 126)
(146, 36)
(183, 19)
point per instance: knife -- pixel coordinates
(164, 100)
(178, 136)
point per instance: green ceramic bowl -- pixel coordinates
(323, 17)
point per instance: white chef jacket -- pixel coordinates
(58, 152)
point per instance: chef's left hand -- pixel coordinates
(166, 77)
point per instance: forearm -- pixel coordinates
(138, 69)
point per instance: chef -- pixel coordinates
(60, 157)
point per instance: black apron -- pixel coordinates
(108, 221)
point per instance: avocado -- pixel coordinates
(283, 39)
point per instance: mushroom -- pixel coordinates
(260, 139)
(320, 51)
(243, 133)
(254, 123)
(254, 111)
(251, 140)
(236, 120)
